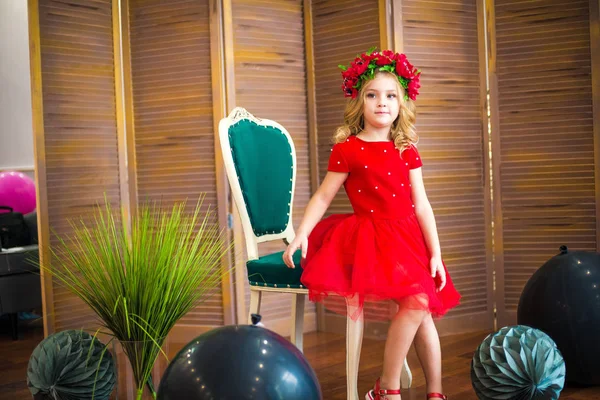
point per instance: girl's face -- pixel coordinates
(381, 102)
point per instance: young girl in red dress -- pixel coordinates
(388, 249)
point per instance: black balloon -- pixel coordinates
(562, 299)
(239, 362)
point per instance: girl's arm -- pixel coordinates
(315, 209)
(426, 219)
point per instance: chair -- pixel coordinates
(260, 162)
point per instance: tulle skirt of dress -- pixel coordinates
(364, 259)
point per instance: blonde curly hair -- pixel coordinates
(402, 132)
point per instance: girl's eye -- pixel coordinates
(391, 96)
(371, 95)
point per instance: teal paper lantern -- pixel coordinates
(71, 365)
(518, 363)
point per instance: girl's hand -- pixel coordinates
(437, 270)
(299, 242)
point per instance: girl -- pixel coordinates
(388, 249)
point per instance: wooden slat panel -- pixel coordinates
(335, 44)
(173, 113)
(270, 82)
(442, 39)
(81, 148)
(546, 155)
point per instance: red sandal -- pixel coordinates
(379, 394)
(436, 396)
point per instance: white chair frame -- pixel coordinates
(354, 329)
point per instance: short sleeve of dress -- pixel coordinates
(412, 157)
(337, 161)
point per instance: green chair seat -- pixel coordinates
(270, 271)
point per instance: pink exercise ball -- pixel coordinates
(17, 191)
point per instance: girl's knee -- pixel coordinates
(414, 314)
(428, 319)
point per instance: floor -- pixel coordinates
(324, 351)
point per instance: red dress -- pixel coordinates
(378, 252)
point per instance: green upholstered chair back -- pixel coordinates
(263, 162)
(260, 161)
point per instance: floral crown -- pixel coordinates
(364, 67)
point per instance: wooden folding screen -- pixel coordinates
(75, 125)
(446, 41)
(265, 47)
(173, 118)
(184, 63)
(442, 40)
(341, 30)
(132, 93)
(546, 169)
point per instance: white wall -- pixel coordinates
(16, 137)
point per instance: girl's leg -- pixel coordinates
(400, 336)
(354, 337)
(427, 345)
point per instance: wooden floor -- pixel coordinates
(324, 351)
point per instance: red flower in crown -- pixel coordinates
(404, 68)
(367, 56)
(413, 88)
(386, 57)
(359, 66)
(367, 64)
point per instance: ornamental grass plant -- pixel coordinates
(141, 280)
